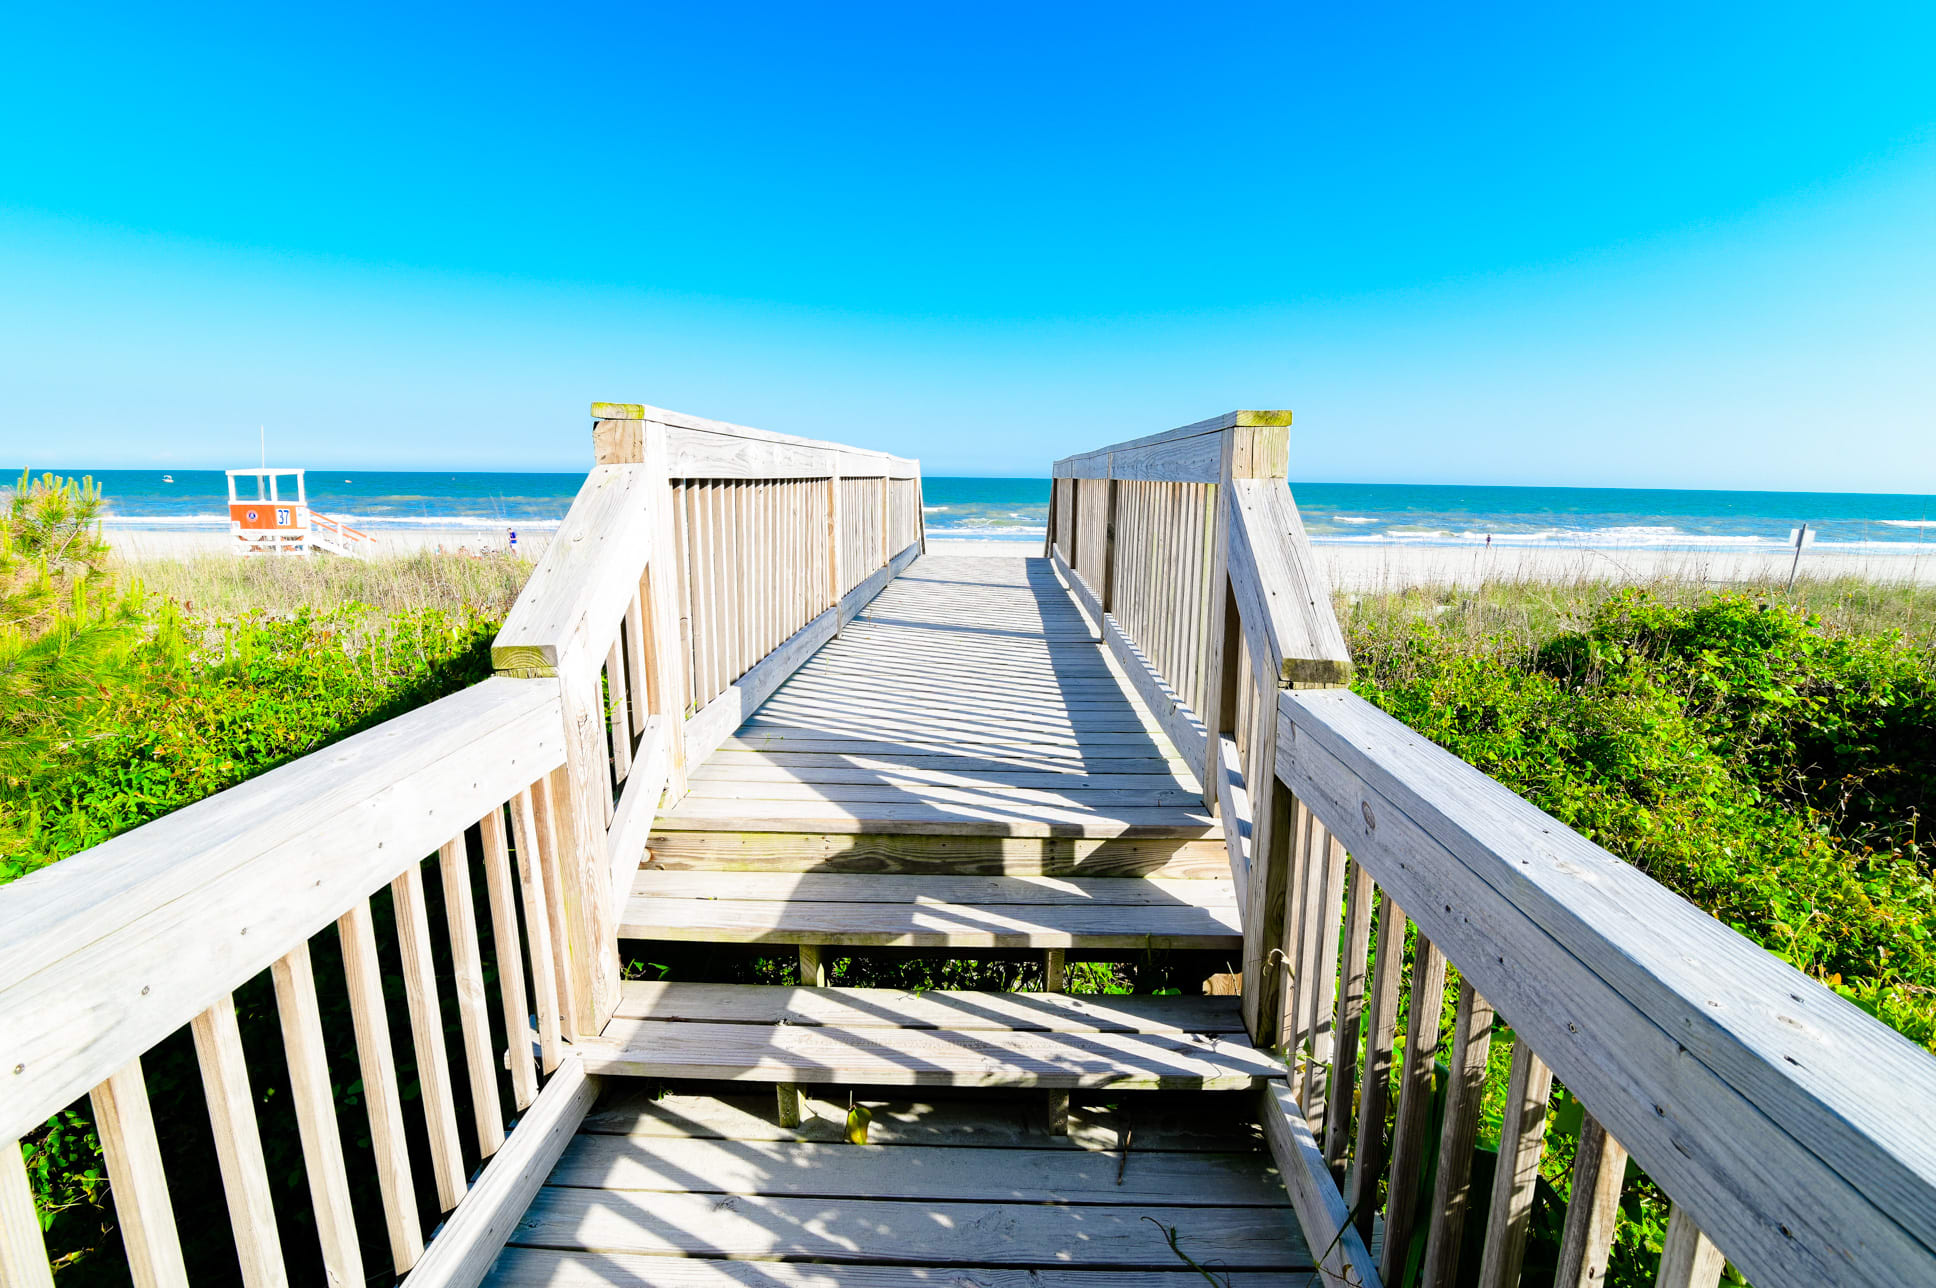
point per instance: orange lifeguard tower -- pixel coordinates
(274, 524)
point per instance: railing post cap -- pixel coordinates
(1280, 417)
(636, 411)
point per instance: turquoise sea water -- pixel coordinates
(1017, 509)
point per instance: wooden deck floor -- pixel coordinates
(968, 708)
(700, 1190)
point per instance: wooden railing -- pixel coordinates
(699, 565)
(1788, 1128)
(107, 953)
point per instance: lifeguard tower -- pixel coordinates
(275, 524)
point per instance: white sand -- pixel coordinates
(1372, 567)
(1355, 567)
(169, 543)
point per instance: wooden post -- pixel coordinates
(664, 570)
(836, 586)
(1106, 593)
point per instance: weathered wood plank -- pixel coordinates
(310, 1089)
(467, 972)
(461, 1254)
(551, 1268)
(126, 1126)
(382, 1102)
(833, 887)
(586, 576)
(238, 1145)
(923, 1057)
(427, 1035)
(762, 1227)
(867, 1008)
(1154, 1121)
(23, 1253)
(701, 1166)
(1343, 1260)
(884, 851)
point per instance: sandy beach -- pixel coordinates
(1356, 568)
(1360, 568)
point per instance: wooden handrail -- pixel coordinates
(94, 960)
(1769, 1108)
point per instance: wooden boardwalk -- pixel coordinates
(696, 1190)
(967, 718)
(734, 705)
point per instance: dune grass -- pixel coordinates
(219, 585)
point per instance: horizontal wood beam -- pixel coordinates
(1190, 454)
(107, 952)
(587, 576)
(1283, 597)
(702, 448)
(461, 1254)
(1763, 1103)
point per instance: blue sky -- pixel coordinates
(1641, 245)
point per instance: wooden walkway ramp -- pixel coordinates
(736, 707)
(967, 719)
(962, 770)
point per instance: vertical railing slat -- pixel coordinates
(501, 890)
(1522, 1139)
(1381, 1027)
(427, 1036)
(1688, 1258)
(1350, 1015)
(1593, 1209)
(618, 717)
(238, 1144)
(1452, 1180)
(551, 853)
(141, 1205)
(537, 926)
(363, 973)
(310, 1092)
(1409, 1137)
(473, 1012)
(23, 1252)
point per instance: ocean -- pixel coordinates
(1017, 509)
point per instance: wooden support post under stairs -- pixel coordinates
(1055, 980)
(813, 974)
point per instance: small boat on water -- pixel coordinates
(168, 478)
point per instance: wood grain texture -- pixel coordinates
(1522, 1139)
(953, 1010)
(142, 1208)
(23, 1253)
(238, 1145)
(1452, 1175)
(700, 1166)
(1688, 1258)
(764, 1227)
(1705, 1055)
(586, 576)
(1281, 587)
(310, 1090)
(91, 967)
(427, 1035)
(892, 1056)
(1142, 926)
(1381, 1029)
(1593, 1210)
(1343, 1259)
(551, 1268)
(461, 1254)
(473, 1011)
(1411, 1129)
(382, 1102)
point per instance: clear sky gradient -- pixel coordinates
(1646, 244)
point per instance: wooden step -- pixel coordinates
(771, 1004)
(882, 1038)
(932, 911)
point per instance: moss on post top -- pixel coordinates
(636, 411)
(1262, 417)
